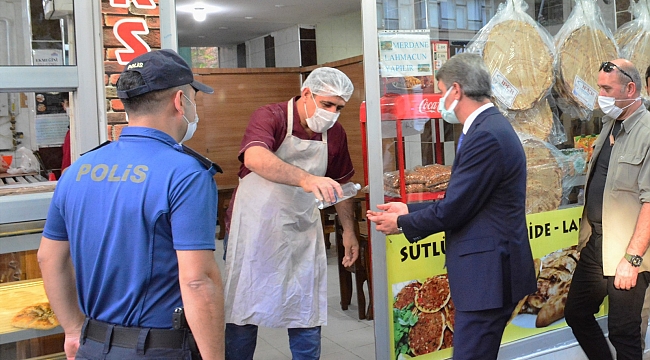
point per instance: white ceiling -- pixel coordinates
(229, 26)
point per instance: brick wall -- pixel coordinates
(112, 68)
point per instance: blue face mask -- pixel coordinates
(448, 114)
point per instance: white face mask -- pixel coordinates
(191, 126)
(608, 106)
(322, 120)
(448, 114)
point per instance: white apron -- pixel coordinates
(276, 265)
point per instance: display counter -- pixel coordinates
(15, 296)
(22, 218)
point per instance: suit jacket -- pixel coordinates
(488, 257)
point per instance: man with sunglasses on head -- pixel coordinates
(615, 227)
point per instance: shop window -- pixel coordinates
(420, 14)
(41, 41)
(549, 12)
(448, 15)
(434, 14)
(391, 15)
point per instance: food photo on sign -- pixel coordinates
(546, 306)
(423, 317)
(424, 313)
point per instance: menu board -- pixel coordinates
(51, 129)
(440, 56)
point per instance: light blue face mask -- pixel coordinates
(448, 114)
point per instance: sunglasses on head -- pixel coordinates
(608, 66)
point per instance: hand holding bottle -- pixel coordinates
(349, 190)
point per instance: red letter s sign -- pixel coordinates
(127, 31)
(140, 4)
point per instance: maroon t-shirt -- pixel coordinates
(268, 128)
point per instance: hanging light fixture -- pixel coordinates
(199, 10)
(199, 13)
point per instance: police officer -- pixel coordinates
(130, 232)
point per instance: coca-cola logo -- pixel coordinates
(427, 106)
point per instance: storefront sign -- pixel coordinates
(405, 54)
(142, 4)
(416, 265)
(128, 31)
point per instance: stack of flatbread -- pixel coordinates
(582, 44)
(639, 51)
(536, 122)
(515, 50)
(544, 180)
(633, 37)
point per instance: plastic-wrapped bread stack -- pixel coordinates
(582, 44)
(429, 178)
(633, 37)
(537, 122)
(544, 178)
(520, 55)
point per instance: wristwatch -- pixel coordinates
(634, 260)
(399, 228)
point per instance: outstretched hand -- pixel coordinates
(386, 220)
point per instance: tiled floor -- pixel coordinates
(344, 338)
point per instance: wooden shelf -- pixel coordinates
(15, 296)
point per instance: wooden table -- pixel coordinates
(15, 296)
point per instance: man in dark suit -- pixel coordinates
(489, 261)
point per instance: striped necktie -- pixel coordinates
(460, 141)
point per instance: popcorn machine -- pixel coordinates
(413, 135)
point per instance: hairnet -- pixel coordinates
(326, 81)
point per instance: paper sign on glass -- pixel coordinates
(405, 55)
(503, 89)
(585, 93)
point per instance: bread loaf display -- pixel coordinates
(582, 44)
(544, 180)
(519, 55)
(428, 178)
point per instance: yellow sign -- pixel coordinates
(410, 265)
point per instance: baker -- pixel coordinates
(292, 153)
